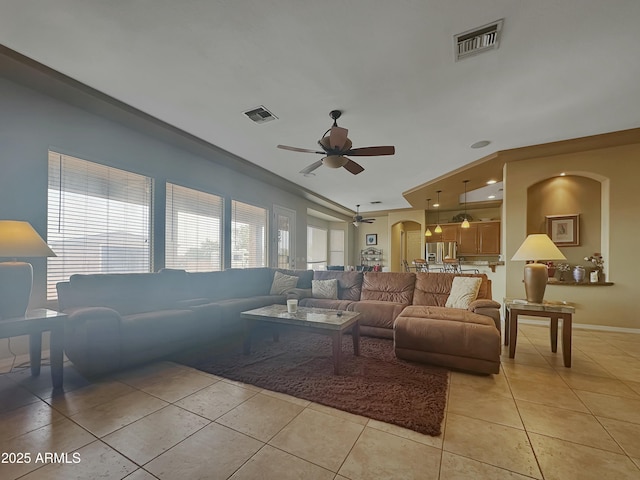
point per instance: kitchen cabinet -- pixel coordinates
(481, 238)
(468, 240)
(489, 238)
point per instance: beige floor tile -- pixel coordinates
(543, 375)
(140, 474)
(636, 461)
(352, 417)
(619, 408)
(271, 463)
(524, 358)
(261, 416)
(154, 434)
(464, 400)
(25, 419)
(319, 438)
(214, 453)
(382, 456)
(591, 383)
(567, 425)
(138, 375)
(174, 384)
(90, 396)
(60, 436)
(635, 386)
(96, 460)
(585, 367)
(625, 433)
(494, 384)
(248, 386)
(216, 400)
(283, 396)
(553, 395)
(560, 460)
(455, 467)
(108, 417)
(498, 445)
(406, 433)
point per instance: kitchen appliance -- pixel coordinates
(437, 252)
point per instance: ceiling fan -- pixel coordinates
(357, 220)
(335, 146)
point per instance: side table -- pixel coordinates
(34, 323)
(552, 310)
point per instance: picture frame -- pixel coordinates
(564, 230)
(372, 239)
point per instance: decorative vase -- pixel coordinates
(601, 276)
(551, 271)
(578, 274)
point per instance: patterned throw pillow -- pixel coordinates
(464, 290)
(325, 289)
(282, 283)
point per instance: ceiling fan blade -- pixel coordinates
(338, 137)
(353, 167)
(311, 167)
(368, 220)
(372, 151)
(296, 149)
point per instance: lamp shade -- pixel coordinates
(536, 247)
(19, 239)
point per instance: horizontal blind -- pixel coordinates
(193, 230)
(99, 220)
(316, 248)
(336, 247)
(248, 235)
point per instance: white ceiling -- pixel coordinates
(564, 69)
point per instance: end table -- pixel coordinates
(552, 310)
(34, 323)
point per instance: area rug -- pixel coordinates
(375, 384)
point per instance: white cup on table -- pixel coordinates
(292, 305)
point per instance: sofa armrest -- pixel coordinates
(483, 303)
(299, 293)
(92, 339)
(489, 308)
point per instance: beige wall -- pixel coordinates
(617, 169)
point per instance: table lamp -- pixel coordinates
(537, 247)
(18, 239)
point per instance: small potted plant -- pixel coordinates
(563, 268)
(598, 262)
(551, 269)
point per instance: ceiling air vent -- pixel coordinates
(260, 115)
(478, 40)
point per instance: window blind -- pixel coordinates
(316, 248)
(99, 220)
(336, 247)
(248, 235)
(193, 230)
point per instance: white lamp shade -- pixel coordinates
(19, 239)
(536, 247)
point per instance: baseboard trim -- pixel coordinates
(585, 326)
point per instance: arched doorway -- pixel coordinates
(406, 244)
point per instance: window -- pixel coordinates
(336, 247)
(248, 235)
(316, 248)
(98, 220)
(193, 230)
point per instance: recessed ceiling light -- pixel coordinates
(491, 182)
(562, 174)
(491, 196)
(376, 202)
(480, 144)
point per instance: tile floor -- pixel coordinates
(536, 419)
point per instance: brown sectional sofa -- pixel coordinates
(118, 320)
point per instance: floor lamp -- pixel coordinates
(18, 240)
(537, 247)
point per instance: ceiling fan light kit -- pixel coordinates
(336, 146)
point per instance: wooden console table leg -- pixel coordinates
(566, 339)
(35, 352)
(506, 326)
(554, 334)
(513, 333)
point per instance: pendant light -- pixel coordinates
(428, 232)
(438, 228)
(465, 222)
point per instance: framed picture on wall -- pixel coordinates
(372, 238)
(564, 230)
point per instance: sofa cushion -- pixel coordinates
(283, 284)
(377, 313)
(325, 289)
(464, 290)
(304, 276)
(349, 283)
(434, 288)
(388, 287)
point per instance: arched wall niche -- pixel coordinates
(574, 193)
(406, 241)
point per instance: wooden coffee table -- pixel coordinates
(313, 320)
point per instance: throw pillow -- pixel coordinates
(325, 288)
(464, 290)
(282, 284)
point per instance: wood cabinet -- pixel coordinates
(481, 238)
